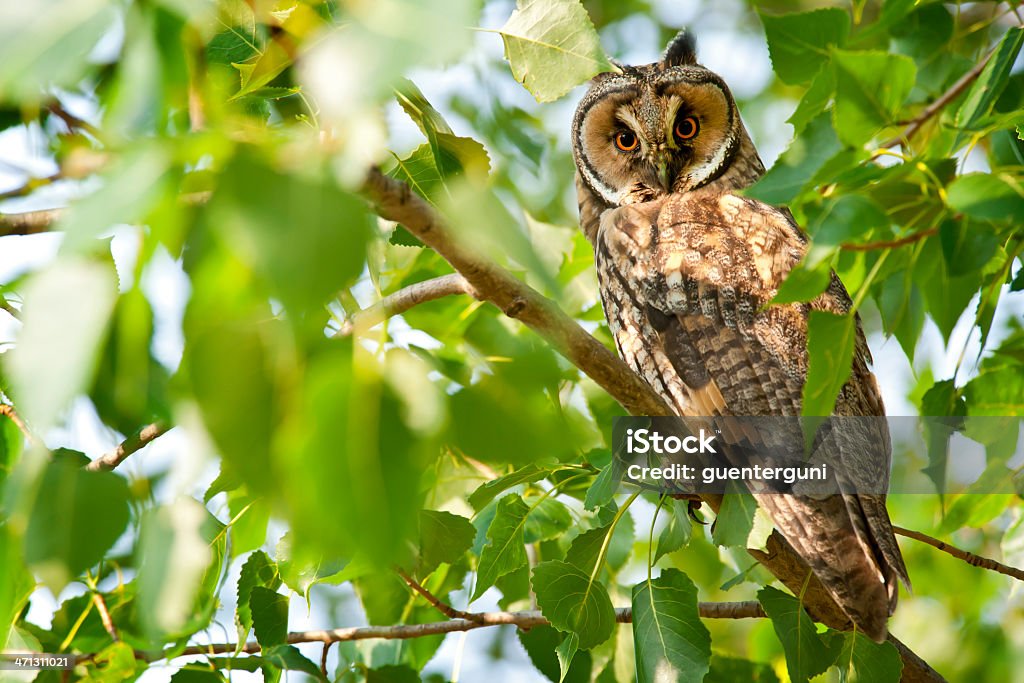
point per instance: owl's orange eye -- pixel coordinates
(686, 128)
(626, 141)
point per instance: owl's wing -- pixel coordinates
(685, 286)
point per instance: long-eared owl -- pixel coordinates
(687, 270)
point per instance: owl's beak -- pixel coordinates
(664, 173)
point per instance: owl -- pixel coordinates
(687, 268)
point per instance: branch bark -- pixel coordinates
(395, 201)
(525, 620)
(28, 223)
(406, 298)
(969, 558)
(141, 438)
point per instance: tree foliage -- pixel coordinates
(216, 255)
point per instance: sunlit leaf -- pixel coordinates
(671, 641)
(830, 342)
(552, 47)
(870, 89)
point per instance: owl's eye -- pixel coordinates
(686, 128)
(626, 141)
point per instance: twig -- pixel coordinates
(108, 623)
(28, 223)
(436, 603)
(141, 438)
(323, 657)
(11, 310)
(889, 244)
(404, 299)
(31, 185)
(944, 99)
(71, 121)
(969, 558)
(397, 202)
(35, 222)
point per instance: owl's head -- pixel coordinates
(671, 126)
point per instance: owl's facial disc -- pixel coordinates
(653, 130)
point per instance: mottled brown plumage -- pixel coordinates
(686, 270)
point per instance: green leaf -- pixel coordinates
(551, 46)
(39, 51)
(269, 616)
(807, 653)
(487, 491)
(76, 517)
(863, 661)
(990, 84)
(289, 658)
(566, 652)
(188, 674)
(180, 555)
(870, 89)
(67, 308)
(392, 673)
(797, 165)
(735, 519)
(799, 43)
(815, 99)
(986, 196)
(729, 670)
(585, 548)
(549, 519)
(543, 643)
(671, 641)
(18, 583)
(803, 282)
(830, 342)
(258, 571)
(444, 537)
(573, 603)
(321, 251)
(117, 662)
(504, 551)
(676, 534)
(605, 484)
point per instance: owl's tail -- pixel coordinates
(848, 542)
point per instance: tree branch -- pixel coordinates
(750, 609)
(442, 607)
(969, 558)
(404, 299)
(395, 201)
(890, 244)
(141, 438)
(28, 223)
(944, 99)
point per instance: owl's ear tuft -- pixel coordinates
(681, 50)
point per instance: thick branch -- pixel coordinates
(396, 201)
(141, 438)
(969, 558)
(406, 298)
(938, 105)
